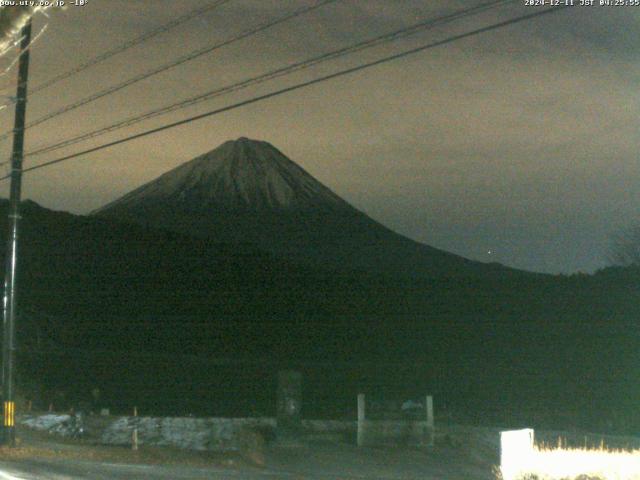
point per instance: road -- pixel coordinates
(318, 462)
(461, 453)
(76, 470)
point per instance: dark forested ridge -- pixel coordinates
(151, 315)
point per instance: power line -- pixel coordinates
(126, 46)
(181, 60)
(286, 70)
(299, 86)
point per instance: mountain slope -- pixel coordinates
(248, 191)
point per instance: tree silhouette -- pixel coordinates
(625, 248)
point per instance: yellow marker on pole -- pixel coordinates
(9, 414)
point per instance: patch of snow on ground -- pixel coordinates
(45, 422)
(63, 425)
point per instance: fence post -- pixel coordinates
(134, 434)
(289, 405)
(430, 424)
(361, 418)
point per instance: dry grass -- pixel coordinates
(558, 463)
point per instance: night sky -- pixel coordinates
(518, 146)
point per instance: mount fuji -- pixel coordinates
(247, 191)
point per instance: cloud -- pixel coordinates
(523, 139)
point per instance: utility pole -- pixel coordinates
(10, 303)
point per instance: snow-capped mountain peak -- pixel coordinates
(241, 174)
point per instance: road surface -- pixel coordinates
(317, 462)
